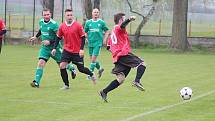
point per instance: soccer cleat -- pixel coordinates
(73, 73)
(100, 72)
(138, 85)
(103, 95)
(34, 84)
(65, 87)
(93, 78)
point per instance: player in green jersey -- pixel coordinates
(47, 31)
(95, 28)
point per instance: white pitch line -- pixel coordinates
(167, 107)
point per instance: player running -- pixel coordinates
(124, 60)
(95, 28)
(47, 31)
(73, 50)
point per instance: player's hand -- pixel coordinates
(104, 43)
(81, 53)
(53, 52)
(46, 42)
(32, 39)
(132, 18)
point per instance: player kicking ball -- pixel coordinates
(123, 59)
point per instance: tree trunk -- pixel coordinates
(138, 31)
(179, 27)
(48, 4)
(97, 4)
(71, 5)
(88, 8)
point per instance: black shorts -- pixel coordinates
(126, 63)
(72, 57)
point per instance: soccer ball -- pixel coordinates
(186, 93)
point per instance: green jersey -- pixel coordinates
(48, 31)
(95, 30)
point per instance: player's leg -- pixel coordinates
(133, 61)
(92, 64)
(121, 72)
(69, 67)
(65, 59)
(39, 73)
(76, 59)
(43, 58)
(96, 52)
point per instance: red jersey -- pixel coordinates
(119, 43)
(72, 36)
(2, 27)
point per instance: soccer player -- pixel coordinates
(94, 29)
(124, 60)
(48, 30)
(2, 32)
(73, 50)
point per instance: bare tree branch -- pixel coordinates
(131, 10)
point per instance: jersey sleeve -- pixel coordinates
(60, 31)
(81, 30)
(55, 28)
(86, 27)
(104, 26)
(2, 25)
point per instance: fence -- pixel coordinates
(19, 17)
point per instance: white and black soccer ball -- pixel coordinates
(186, 93)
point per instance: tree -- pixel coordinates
(144, 20)
(71, 5)
(96, 4)
(88, 7)
(48, 4)
(179, 27)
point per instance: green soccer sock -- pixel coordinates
(38, 75)
(97, 65)
(92, 66)
(70, 67)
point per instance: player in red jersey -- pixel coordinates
(73, 47)
(2, 32)
(124, 60)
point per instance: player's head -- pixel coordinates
(68, 15)
(46, 14)
(119, 18)
(95, 13)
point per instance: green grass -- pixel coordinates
(166, 74)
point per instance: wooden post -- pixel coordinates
(159, 31)
(190, 25)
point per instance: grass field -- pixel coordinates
(166, 74)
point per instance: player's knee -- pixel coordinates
(41, 63)
(63, 65)
(142, 65)
(81, 69)
(120, 77)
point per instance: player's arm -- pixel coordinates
(55, 45)
(3, 32)
(36, 36)
(3, 29)
(126, 22)
(107, 33)
(81, 53)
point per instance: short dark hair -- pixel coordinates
(46, 9)
(68, 10)
(117, 17)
